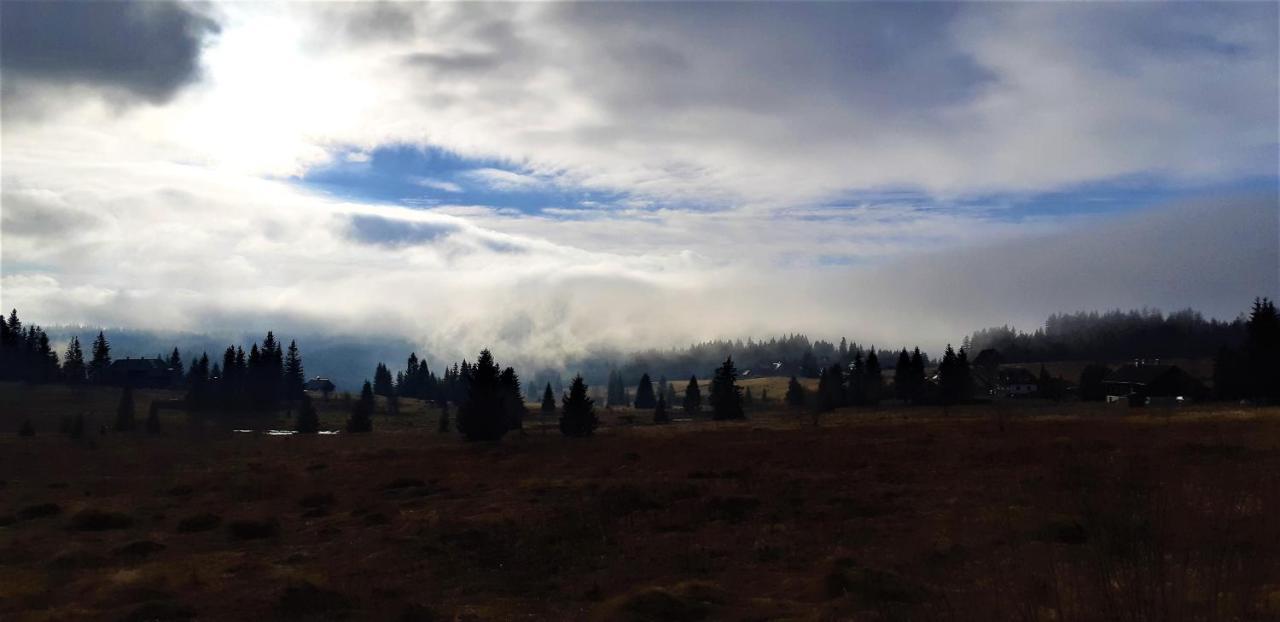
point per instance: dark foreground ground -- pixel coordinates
(900, 515)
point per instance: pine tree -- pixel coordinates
(915, 376)
(660, 411)
(362, 411)
(443, 425)
(1262, 350)
(872, 379)
(795, 393)
(644, 393)
(308, 420)
(153, 421)
(176, 371)
(484, 414)
(294, 375)
(901, 377)
(73, 370)
(831, 393)
(101, 359)
(124, 411)
(578, 418)
(512, 399)
(548, 401)
(949, 377)
(692, 397)
(382, 381)
(726, 395)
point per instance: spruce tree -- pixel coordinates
(692, 397)
(101, 359)
(901, 380)
(73, 370)
(308, 420)
(176, 371)
(644, 393)
(949, 377)
(726, 395)
(362, 411)
(294, 375)
(512, 399)
(382, 381)
(443, 425)
(660, 411)
(578, 418)
(1262, 350)
(795, 393)
(915, 375)
(484, 416)
(872, 379)
(153, 421)
(124, 411)
(548, 401)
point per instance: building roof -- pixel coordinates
(1142, 374)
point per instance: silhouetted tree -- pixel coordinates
(484, 416)
(809, 367)
(1091, 379)
(872, 379)
(512, 399)
(124, 411)
(668, 391)
(795, 393)
(308, 420)
(644, 393)
(1262, 350)
(176, 372)
(361, 419)
(101, 359)
(831, 391)
(726, 395)
(949, 377)
(660, 411)
(578, 417)
(548, 400)
(294, 375)
(152, 423)
(382, 381)
(1230, 375)
(443, 426)
(692, 397)
(73, 370)
(901, 371)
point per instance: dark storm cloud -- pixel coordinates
(147, 50)
(381, 231)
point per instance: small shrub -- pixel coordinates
(199, 522)
(305, 600)
(100, 520)
(138, 550)
(253, 529)
(40, 510)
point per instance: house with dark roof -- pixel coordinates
(151, 373)
(322, 385)
(1152, 381)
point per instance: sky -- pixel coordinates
(548, 178)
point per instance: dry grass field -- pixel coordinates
(1070, 512)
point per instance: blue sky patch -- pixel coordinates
(429, 177)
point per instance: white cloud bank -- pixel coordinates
(181, 215)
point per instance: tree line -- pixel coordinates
(1112, 335)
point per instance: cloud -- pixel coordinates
(504, 181)
(437, 184)
(769, 168)
(390, 232)
(142, 50)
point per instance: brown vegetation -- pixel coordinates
(1074, 512)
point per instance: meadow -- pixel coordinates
(1017, 510)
